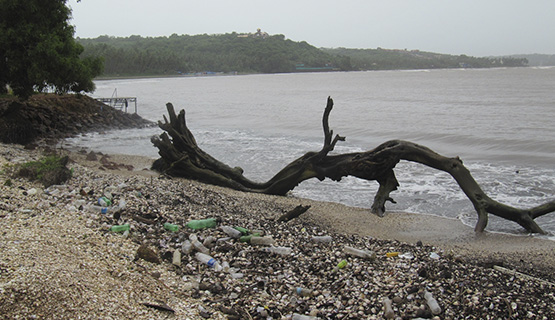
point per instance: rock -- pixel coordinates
(148, 254)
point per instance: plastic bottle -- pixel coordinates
(209, 241)
(244, 231)
(208, 260)
(197, 245)
(104, 202)
(365, 254)
(176, 259)
(171, 227)
(342, 264)
(102, 210)
(202, 224)
(120, 228)
(187, 247)
(303, 292)
(391, 254)
(387, 309)
(432, 303)
(262, 241)
(278, 250)
(232, 232)
(297, 316)
(323, 239)
(249, 237)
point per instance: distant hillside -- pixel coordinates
(258, 53)
(383, 59)
(537, 60)
(233, 52)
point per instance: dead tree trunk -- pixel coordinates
(182, 157)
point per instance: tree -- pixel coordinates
(181, 156)
(37, 49)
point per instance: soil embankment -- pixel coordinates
(50, 116)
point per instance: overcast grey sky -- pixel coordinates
(472, 27)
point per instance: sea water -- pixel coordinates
(499, 121)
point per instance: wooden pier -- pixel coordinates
(121, 103)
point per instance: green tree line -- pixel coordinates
(256, 53)
(383, 59)
(230, 52)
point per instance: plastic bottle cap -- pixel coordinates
(211, 262)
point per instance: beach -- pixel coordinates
(61, 261)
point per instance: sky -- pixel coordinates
(472, 27)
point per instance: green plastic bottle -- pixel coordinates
(202, 224)
(120, 228)
(248, 238)
(171, 227)
(244, 231)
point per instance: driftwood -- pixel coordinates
(182, 157)
(292, 214)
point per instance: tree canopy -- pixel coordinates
(259, 53)
(38, 51)
(230, 52)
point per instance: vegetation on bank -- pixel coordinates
(38, 52)
(258, 53)
(228, 53)
(383, 59)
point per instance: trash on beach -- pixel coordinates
(361, 253)
(171, 227)
(434, 255)
(202, 224)
(120, 228)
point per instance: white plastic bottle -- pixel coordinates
(262, 241)
(197, 245)
(432, 303)
(232, 232)
(365, 254)
(186, 247)
(208, 260)
(387, 309)
(323, 239)
(278, 250)
(297, 316)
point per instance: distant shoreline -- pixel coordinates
(222, 74)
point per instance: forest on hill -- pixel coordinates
(257, 53)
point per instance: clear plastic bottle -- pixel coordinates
(388, 309)
(323, 239)
(361, 253)
(297, 316)
(232, 232)
(208, 260)
(209, 242)
(93, 208)
(197, 245)
(262, 241)
(432, 303)
(187, 247)
(176, 259)
(278, 250)
(303, 292)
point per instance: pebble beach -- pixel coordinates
(61, 260)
